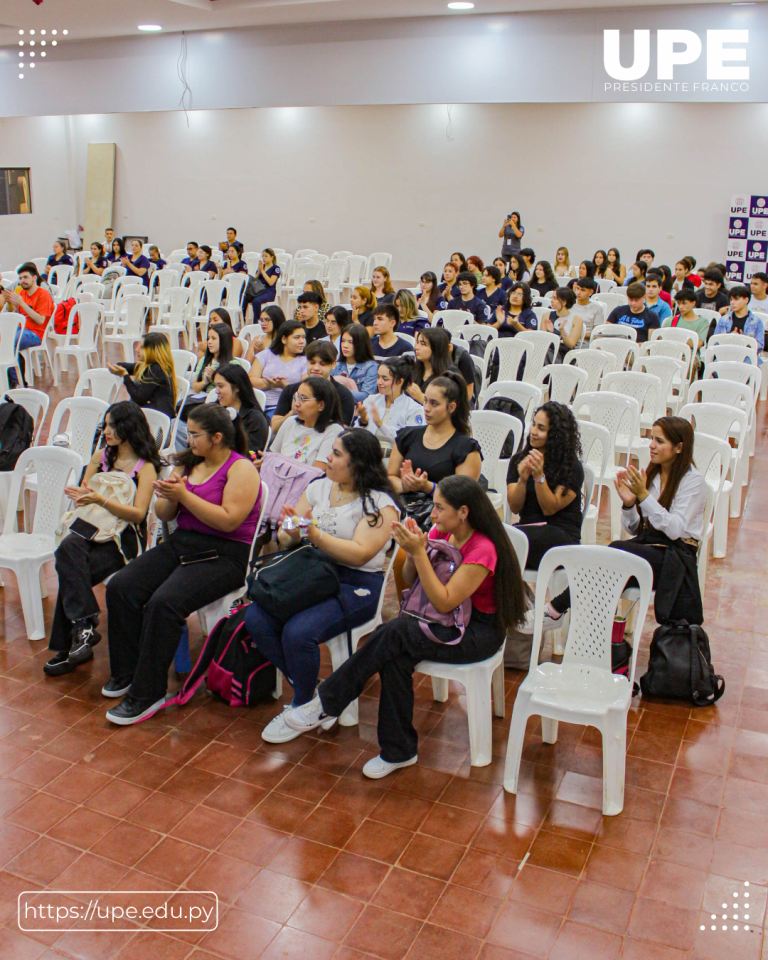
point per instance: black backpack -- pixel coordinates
(16, 431)
(680, 666)
(513, 408)
(232, 666)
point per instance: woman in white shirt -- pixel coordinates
(663, 510)
(308, 435)
(562, 321)
(353, 509)
(391, 409)
(563, 266)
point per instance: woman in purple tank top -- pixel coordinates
(215, 495)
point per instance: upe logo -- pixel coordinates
(756, 250)
(758, 207)
(735, 250)
(667, 57)
(758, 232)
(735, 271)
(737, 229)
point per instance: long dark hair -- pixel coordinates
(226, 339)
(563, 446)
(342, 317)
(519, 285)
(676, 430)
(120, 245)
(275, 314)
(463, 266)
(434, 293)
(401, 368)
(236, 376)
(440, 344)
(549, 273)
(324, 392)
(223, 316)
(361, 344)
(600, 268)
(211, 418)
(508, 590)
(454, 389)
(130, 426)
(522, 267)
(368, 470)
(616, 265)
(283, 332)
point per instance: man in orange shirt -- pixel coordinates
(35, 304)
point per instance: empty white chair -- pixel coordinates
(355, 266)
(129, 326)
(451, 320)
(172, 316)
(25, 553)
(597, 455)
(595, 362)
(712, 457)
(566, 381)
(671, 373)
(611, 300)
(731, 353)
(377, 260)
(101, 383)
(334, 275)
(207, 296)
(159, 426)
(32, 356)
(726, 423)
(490, 429)
(646, 389)
(707, 314)
(541, 345)
(605, 285)
(511, 351)
(733, 393)
(97, 289)
(624, 351)
(177, 256)
(184, 361)
(87, 344)
(483, 681)
(341, 254)
(59, 276)
(582, 689)
(304, 253)
(194, 278)
(10, 323)
(688, 338)
(613, 330)
(160, 281)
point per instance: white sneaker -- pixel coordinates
(377, 768)
(276, 730)
(308, 716)
(549, 622)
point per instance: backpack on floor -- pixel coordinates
(232, 666)
(61, 317)
(680, 666)
(16, 431)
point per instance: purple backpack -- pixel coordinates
(286, 480)
(445, 558)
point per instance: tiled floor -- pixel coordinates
(311, 861)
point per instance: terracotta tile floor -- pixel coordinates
(311, 861)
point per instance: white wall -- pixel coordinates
(582, 175)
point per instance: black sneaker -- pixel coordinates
(116, 687)
(59, 665)
(133, 710)
(84, 640)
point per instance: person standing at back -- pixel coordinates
(511, 233)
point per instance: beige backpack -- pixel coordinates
(115, 486)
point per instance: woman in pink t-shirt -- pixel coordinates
(489, 575)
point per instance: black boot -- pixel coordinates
(84, 639)
(58, 665)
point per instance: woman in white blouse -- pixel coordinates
(309, 433)
(662, 504)
(391, 409)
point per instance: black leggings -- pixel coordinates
(149, 601)
(648, 551)
(392, 651)
(542, 537)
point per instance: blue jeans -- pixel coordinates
(294, 647)
(28, 339)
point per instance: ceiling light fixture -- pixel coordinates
(461, 5)
(150, 27)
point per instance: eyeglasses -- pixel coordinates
(297, 399)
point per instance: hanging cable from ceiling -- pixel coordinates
(181, 70)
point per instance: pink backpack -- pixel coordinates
(286, 479)
(445, 558)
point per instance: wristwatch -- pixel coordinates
(541, 479)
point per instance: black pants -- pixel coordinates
(149, 601)
(80, 566)
(654, 555)
(393, 651)
(542, 538)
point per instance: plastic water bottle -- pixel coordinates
(61, 440)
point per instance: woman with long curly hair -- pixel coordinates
(544, 482)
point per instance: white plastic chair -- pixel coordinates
(671, 373)
(159, 426)
(471, 331)
(719, 420)
(304, 253)
(9, 349)
(687, 338)
(646, 389)
(582, 689)
(36, 403)
(712, 457)
(32, 356)
(597, 455)
(613, 330)
(452, 320)
(160, 281)
(95, 287)
(87, 344)
(733, 393)
(707, 314)
(355, 266)
(172, 316)
(59, 276)
(540, 344)
(595, 362)
(333, 279)
(611, 300)
(184, 361)
(483, 681)
(512, 351)
(377, 260)
(622, 350)
(129, 328)
(605, 285)
(25, 553)
(101, 383)
(528, 395)
(566, 381)
(214, 293)
(490, 429)
(731, 353)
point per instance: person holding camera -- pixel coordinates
(511, 233)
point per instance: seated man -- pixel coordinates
(192, 261)
(385, 343)
(687, 319)
(759, 288)
(36, 307)
(713, 296)
(309, 314)
(652, 299)
(741, 319)
(321, 359)
(468, 299)
(636, 314)
(591, 313)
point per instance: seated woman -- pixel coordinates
(544, 281)
(151, 382)
(544, 483)
(449, 288)
(600, 260)
(386, 413)
(234, 391)
(117, 252)
(155, 259)
(517, 269)
(270, 321)
(233, 262)
(489, 575)
(560, 320)
(475, 265)
(429, 301)
(219, 350)
(336, 322)
(518, 315)
(283, 362)
(362, 302)
(59, 258)
(222, 315)
(493, 294)
(354, 507)
(308, 435)
(501, 265)
(205, 255)
(663, 510)
(435, 355)
(137, 265)
(381, 286)
(268, 272)
(356, 362)
(82, 564)
(615, 270)
(586, 269)
(214, 494)
(97, 263)
(563, 266)
(411, 320)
